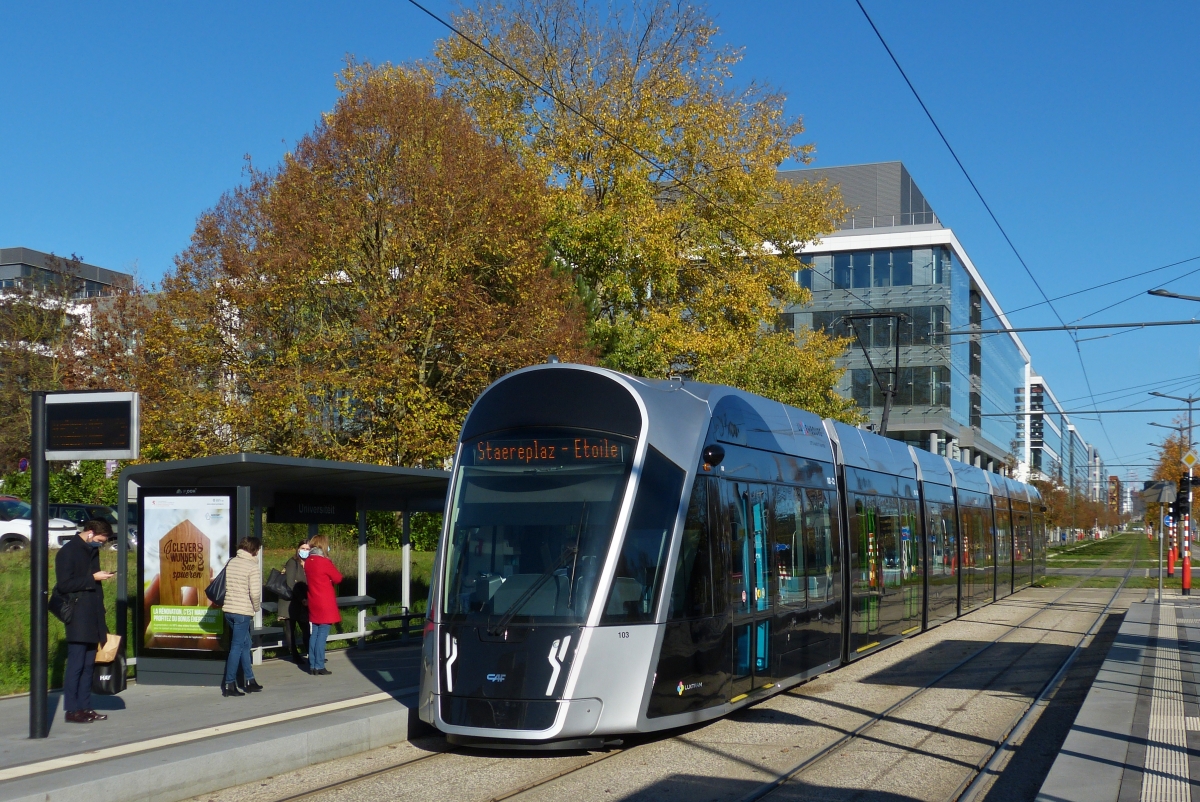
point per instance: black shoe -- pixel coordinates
(325, 672)
(314, 671)
(230, 689)
(94, 716)
(252, 687)
(78, 717)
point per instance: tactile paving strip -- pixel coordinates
(1166, 776)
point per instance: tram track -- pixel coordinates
(447, 754)
(829, 751)
(973, 784)
(361, 778)
(970, 787)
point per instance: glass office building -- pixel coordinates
(894, 272)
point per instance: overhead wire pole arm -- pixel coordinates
(889, 392)
(1145, 324)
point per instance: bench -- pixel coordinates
(406, 618)
(359, 602)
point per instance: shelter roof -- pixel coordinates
(376, 487)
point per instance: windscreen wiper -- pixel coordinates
(516, 606)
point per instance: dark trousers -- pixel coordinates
(77, 684)
(295, 636)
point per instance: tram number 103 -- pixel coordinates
(623, 634)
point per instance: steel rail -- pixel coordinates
(973, 786)
(358, 778)
(363, 777)
(828, 751)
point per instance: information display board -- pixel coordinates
(187, 537)
(92, 425)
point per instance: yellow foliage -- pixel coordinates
(683, 259)
(353, 303)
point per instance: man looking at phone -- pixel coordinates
(78, 576)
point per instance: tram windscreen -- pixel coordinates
(532, 519)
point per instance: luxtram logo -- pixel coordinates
(496, 677)
(680, 688)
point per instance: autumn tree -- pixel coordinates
(665, 206)
(1168, 467)
(40, 327)
(352, 302)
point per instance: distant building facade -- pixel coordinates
(25, 267)
(970, 396)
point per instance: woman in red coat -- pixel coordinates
(322, 577)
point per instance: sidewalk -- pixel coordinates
(1130, 740)
(166, 743)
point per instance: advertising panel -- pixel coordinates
(186, 537)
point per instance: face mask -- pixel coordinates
(303, 554)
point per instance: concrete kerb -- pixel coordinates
(179, 772)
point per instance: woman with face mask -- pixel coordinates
(293, 618)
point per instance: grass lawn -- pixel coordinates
(383, 582)
(1118, 551)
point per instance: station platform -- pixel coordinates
(167, 743)
(1137, 736)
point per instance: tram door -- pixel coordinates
(750, 585)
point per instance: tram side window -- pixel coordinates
(820, 561)
(647, 541)
(942, 547)
(789, 548)
(692, 593)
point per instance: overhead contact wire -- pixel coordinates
(1074, 337)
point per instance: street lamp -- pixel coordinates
(1189, 400)
(1168, 294)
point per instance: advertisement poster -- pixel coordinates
(186, 542)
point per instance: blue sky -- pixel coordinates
(124, 121)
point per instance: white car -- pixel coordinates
(15, 527)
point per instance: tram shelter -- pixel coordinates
(259, 482)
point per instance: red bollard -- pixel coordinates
(1171, 562)
(1187, 554)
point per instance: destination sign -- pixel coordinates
(550, 451)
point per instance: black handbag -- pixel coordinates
(277, 584)
(216, 589)
(62, 606)
(108, 679)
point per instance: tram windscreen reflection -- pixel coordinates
(532, 519)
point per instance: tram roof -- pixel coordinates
(859, 449)
(934, 468)
(968, 477)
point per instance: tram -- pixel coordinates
(624, 555)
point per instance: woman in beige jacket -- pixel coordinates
(243, 598)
